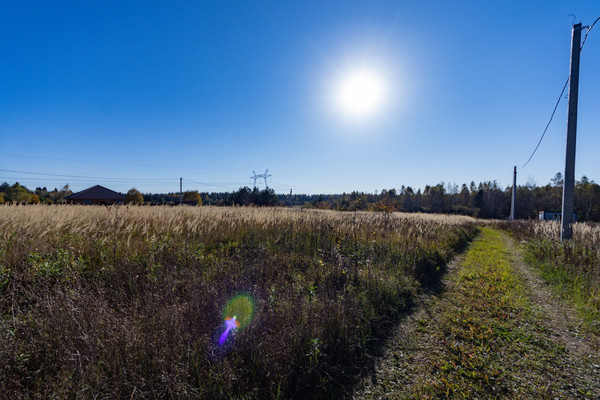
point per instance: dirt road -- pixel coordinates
(493, 330)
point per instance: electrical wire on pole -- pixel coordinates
(548, 124)
(589, 28)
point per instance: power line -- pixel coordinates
(209, 184)
(88, 177)
(588, 32)
(74, 180)
(548, 124)
(294, 186)
(559, 98)
(114, 181)
(161, 166)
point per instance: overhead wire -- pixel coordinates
(112, 180)
(86, 177)
(559, 98)
(588, 32)
(160, 166)
(209, 184)
(49, 179)
(548, 124)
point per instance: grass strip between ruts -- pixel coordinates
(487, 342)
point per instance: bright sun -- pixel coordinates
(360, 94)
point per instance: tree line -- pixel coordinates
(484, 200)
(18, 193)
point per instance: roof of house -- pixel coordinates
(96, 193)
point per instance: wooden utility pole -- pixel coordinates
(180, 191)
(566, 230)
(513, 200)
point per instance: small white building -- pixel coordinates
(553, 216)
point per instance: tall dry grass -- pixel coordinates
(583, 232)
(573, 266)
(123, 301)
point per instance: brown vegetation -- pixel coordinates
(123, 301)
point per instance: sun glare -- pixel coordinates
(360, 94)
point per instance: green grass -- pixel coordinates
(572, 267)
(571, 270)
(488, 342)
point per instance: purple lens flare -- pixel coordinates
(230, 324)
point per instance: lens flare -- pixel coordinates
(237, 314)
(241, 307)
(230, 324)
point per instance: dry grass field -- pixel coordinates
(124, 302)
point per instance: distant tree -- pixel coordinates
(478, 200)
(4, 187)
(58, 196)
(242, 197)
(387, 201)
(53, 196)
(419, 197)
(266, 197)
(360, 203)
(246, 196)
(437, 197)
(42, 193)
(134, 196)
(18, 194)
(320, 199)
(587, 199)
(465, 196)
(193, 196)
(408, 200)
(557, 180)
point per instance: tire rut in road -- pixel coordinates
(551, 352)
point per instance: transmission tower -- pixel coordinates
(259, 176)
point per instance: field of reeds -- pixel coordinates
(572, 267)
(125, 301)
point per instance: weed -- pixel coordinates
(123, 301)
(491, 345)
(571, 267)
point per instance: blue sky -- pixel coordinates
(139, 94)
